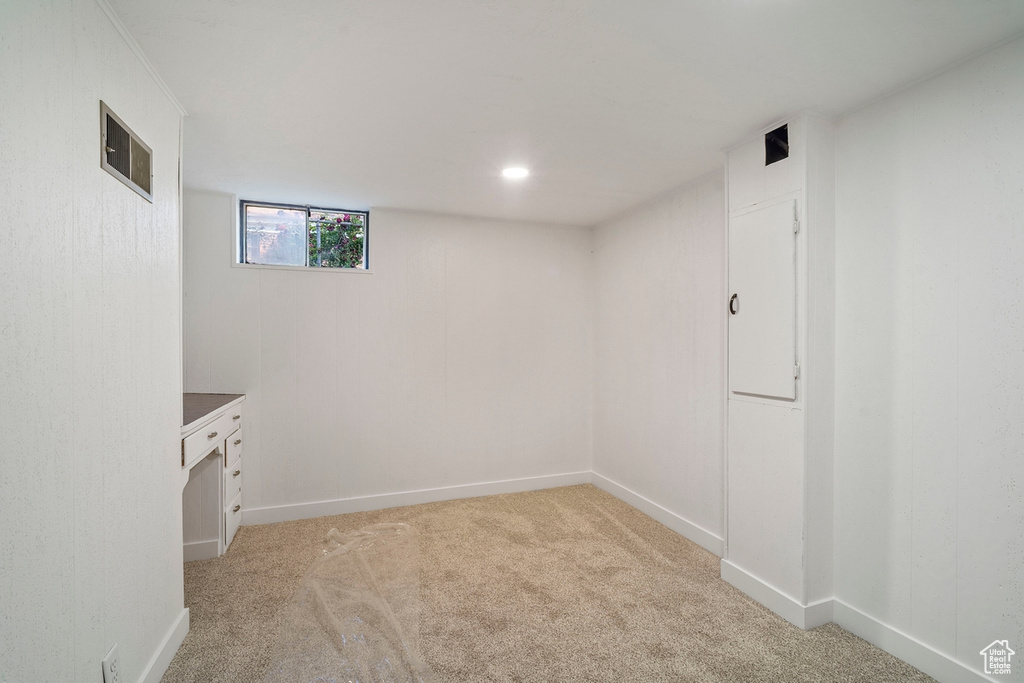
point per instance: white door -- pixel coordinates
(762, 305)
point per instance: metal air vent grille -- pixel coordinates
(123, 155)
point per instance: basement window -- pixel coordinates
(302, 236)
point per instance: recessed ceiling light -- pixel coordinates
(515, 172)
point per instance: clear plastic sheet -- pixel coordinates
(356, 616)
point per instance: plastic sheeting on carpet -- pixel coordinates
(356, 616)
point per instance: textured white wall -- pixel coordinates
(465, 357)
(660, 352)
(90, 380)
(929, 493)
(779, 462)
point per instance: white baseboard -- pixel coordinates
(287, 513)
(161, 659)
(912, 651)
(819, 613)
(787, 607)
(201, 550)
(680, 525)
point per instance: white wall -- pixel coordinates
(660, 359)
(90, 378)
(465, 357)
(929, 495)
(779, 461)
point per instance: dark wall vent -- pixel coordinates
(123, 155)
(776, 145)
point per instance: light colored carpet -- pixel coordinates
(566, 584)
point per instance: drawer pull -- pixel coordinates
(236, 508)
(236, 473)
(211, 435)
(238, 441)
(237, 417)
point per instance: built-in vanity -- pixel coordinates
(211, 462)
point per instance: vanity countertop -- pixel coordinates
(197, 407)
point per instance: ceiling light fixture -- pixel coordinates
(515, 172)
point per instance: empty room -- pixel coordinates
(345, 340)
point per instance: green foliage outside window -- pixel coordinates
(336, 239)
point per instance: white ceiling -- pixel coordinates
(418, 105)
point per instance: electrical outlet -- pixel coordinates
(112, 666)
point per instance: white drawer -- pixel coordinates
(233, 479)
(232, 519)
(234, 447)
(235, 414)
(196, 446)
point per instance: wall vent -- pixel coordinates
(123, 155)
(776, 145)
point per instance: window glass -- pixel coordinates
(336, 239)
(286, 235)
(275, 236)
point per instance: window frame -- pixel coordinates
(242, 234)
